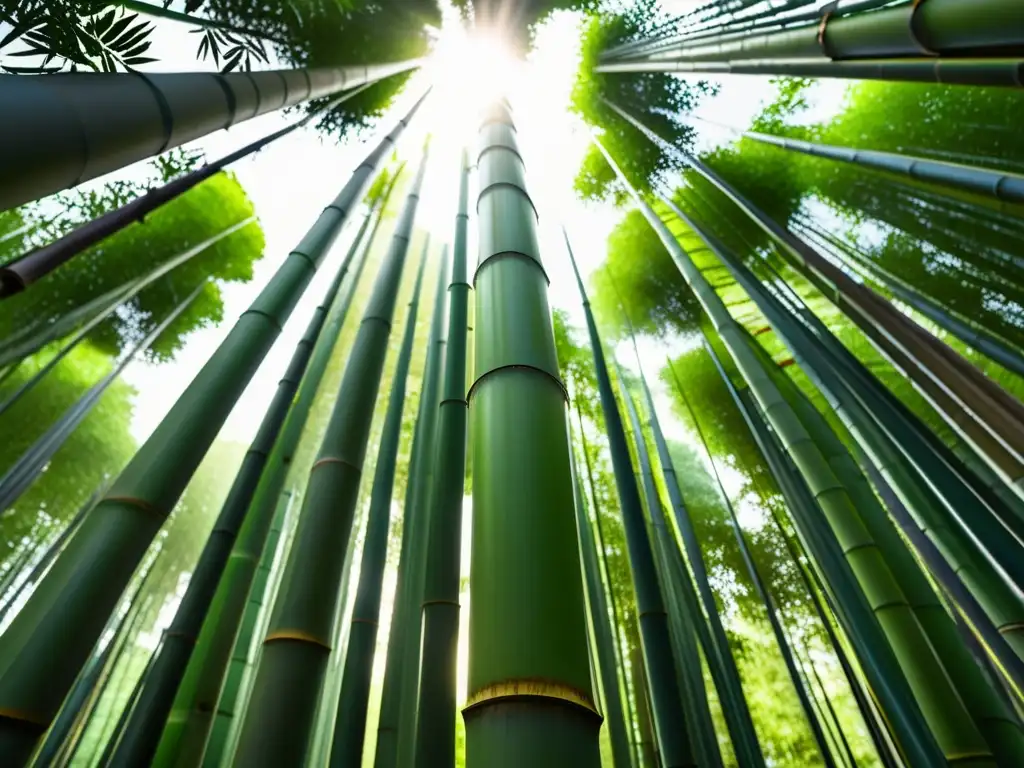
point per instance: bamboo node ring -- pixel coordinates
(295, 635)
(914, 25)
(530, 687)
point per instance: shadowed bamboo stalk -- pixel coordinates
(997, 724)
(143, 730)
(880, 663)
(91, 573)
(986, 415)
(396, 727)
(436, 707)
(681, 601)
(1007, 73)
(188, 726)
(350, 723)
(935, 695)
(608, 665)
(667, 705)
(16, 275)
(67, 128)
(720, 660)
(530, 699)
(133, 289)
(282, 706)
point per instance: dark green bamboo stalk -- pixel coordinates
(1007, 73)
(530, 699)
(648, 744)
(716, 649)
(33, 461)
(841, 734)
(936, 696)
(682, 621)
(231, 704)
(142, 733)
(133, 290)
(396, 728)
(436, 708)
(350, 725)
(297, 647)
(192, 715)
(760, 587)
(608, 665)
(881, 666)
(65, 129)
(667, 705)
(621, 645)
(942, 28)
(16, 275)
(52, 643)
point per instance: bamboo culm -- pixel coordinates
(436, 708)
(297, 647)
(83, 126)
(191, 719)
(89, 576)
(350, 723)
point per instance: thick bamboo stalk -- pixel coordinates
(1007, 73)
(92, 571)
(188, 726)
(608, 665)
(527, 625)
(133, 290)
(350, 723)
(436, 707)
(297, 646)
(64, 129)
(142, 733)
(396, 728)
(16, 275)
(669, 717)
(33, 461)
(941, 28)
(935, 695)
(682, 621)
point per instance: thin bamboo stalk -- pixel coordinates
(396, 727)
(667, 705)
(527, 624)
(282, 706)
(882, 668)
(1006, 73)
(124, 524)
(68, 128)
(608, 666)
(675, 580)
(18, 274)
(133, 290)
(33, 461)
(192, 715)
(142, 733)
(436, 707)
(994, 721)
(934, 694)
(350, 723)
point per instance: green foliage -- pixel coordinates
(136, 251)
(656, 99)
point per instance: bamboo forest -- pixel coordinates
(512, 383)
